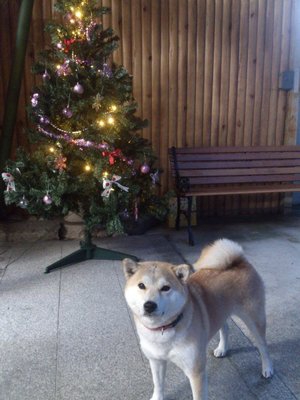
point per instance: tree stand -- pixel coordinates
(89, 251)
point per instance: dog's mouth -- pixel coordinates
(154, 314)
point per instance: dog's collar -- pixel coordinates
(168, 326)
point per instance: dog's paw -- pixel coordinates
(220, 352)
(267, 372)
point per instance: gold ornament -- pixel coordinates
(97, 102)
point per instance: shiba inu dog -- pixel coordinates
(177, 311)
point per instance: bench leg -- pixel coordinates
(189, 221)
(178, 213)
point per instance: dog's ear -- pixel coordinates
(182, 271)
(129, 267)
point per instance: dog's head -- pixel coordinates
(155, 291)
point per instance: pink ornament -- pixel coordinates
(47, 199)
(145, 169)
(67, 112)
(34, 102)
(46, 75)
(23, 203)
(78, 88)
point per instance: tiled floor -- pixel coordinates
(68, 335)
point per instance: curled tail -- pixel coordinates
(220, 254)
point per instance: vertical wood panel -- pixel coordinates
(156, 87)
(126, 34)
(116, 7)
(260, 49)
(242, 75)
(251, 72)
(234, 66)
(173, 71)
(146, 65)
(225, 73)
(164, 95)
(275, 74)
(208, 71)
(182, 71)
(216, 73)
(136, 39)
(191, 72)
(268, 51)
(199, 97)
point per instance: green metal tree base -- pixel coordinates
(89, 251)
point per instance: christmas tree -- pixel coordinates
(88, 156)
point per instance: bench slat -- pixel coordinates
(243, 179)
(215, 191)
(238, 149)
(240, 172)
(238, 164)
(238, 156)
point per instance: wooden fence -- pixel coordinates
(206, 72)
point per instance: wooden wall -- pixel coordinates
(206, 72)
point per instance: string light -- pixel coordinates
(105, 174)
(101, 123)
(113, 108)
(51, 149)
(87, 167)
(111, 121)
(72, 21)
(78, 14)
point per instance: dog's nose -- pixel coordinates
(150, 306)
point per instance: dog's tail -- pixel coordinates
(221, 255)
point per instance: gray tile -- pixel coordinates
(69, 334)
(28, 315)
(98, 350)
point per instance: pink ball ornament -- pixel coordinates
(145, 169)
(78, 88)
(67, 112)
(46, 76)
(47, 199)
(23, 202)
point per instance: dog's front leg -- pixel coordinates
(158, 369)
(198, 382)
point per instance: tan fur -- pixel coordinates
(203, 301)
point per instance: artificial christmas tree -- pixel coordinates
(88, 156)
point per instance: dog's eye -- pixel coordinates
(141, 286)
(165, 288)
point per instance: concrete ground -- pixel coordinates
(68, 335)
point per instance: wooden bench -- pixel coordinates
(232, 170)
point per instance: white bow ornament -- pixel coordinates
(107, 185)
(10, 181)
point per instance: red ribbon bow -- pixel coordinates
(112, 155)
(68, 43)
